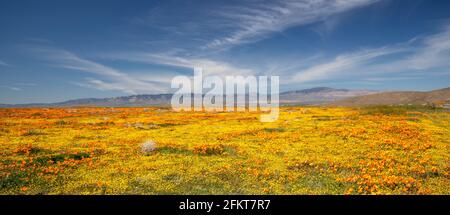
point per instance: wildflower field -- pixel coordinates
(308, 150)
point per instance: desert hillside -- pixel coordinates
(439, 97)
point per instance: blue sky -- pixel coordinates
(57, 50)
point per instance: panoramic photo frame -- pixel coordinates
(235, 107)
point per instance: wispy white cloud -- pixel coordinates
(433, 52)
(17, 86)
(217, 27)
(12, 88)
(113, 79)
(369, 64)
(25, 84)
(210, 67)
(254, 22)
(2, 63)
(227, 26)
(418, 55)
(343, 63)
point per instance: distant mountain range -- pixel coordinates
(123, 101)
(440, 97)
(313, 96)
(320, 95)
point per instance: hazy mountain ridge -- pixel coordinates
(318, 95)
(134, 100)
(433, 97)
(312, 96)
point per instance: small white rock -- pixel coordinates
(148, 146)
